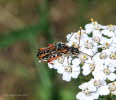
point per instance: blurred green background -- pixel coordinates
(25, 26)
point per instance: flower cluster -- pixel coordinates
(97, 57)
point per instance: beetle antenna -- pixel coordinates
(79, 43)
(70, 36)
(79, 37)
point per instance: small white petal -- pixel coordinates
(111, 68)
(75, 74)
(80, 96)
(83, 86)
(75, 68)
(86, 71)
(112, 76)
(50, 65)
(89, 28)
(103, 90)
(92, 88)
(68, 36)
(76, 61)
(60, 70)
(66, 77)
(96, 32)
(96, 95)
(99, 75)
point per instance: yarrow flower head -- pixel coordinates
(92, 90)
(112, 87)
(67, 67)
(95, 57)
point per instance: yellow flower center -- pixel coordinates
(92, 66)
(97, 83)
(106, 71)
(96, 39)
(86, 91)
(112, 86)
(103, 55)
(113, 55)
(68, 69)
(107, 44)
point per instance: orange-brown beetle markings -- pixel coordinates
(54, 51)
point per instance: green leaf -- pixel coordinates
(100, 49)
(90, 35)
(106, 36)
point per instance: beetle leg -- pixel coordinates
(43, 61)
(53, 59)
(41, 48)
(68, 60)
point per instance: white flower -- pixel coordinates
(103, 55)
(112, 87)
(97, 83)
(113, 55)
(92, 90)
(104, 72)
(88, 46)
(114, 39)
(83, 57)
(99, 58)
(70, 71)
(88, 67)
(109, 31)
(97, 36)
(54, 64)
(57, 63)
(106, 56)
(105, 43)
(100, 86)
(96, 55)
(104, 90)
(73, 38)
(92, 26)
(87, 95)
(89, 92)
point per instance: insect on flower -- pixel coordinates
(90, 51)
(56, 50)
